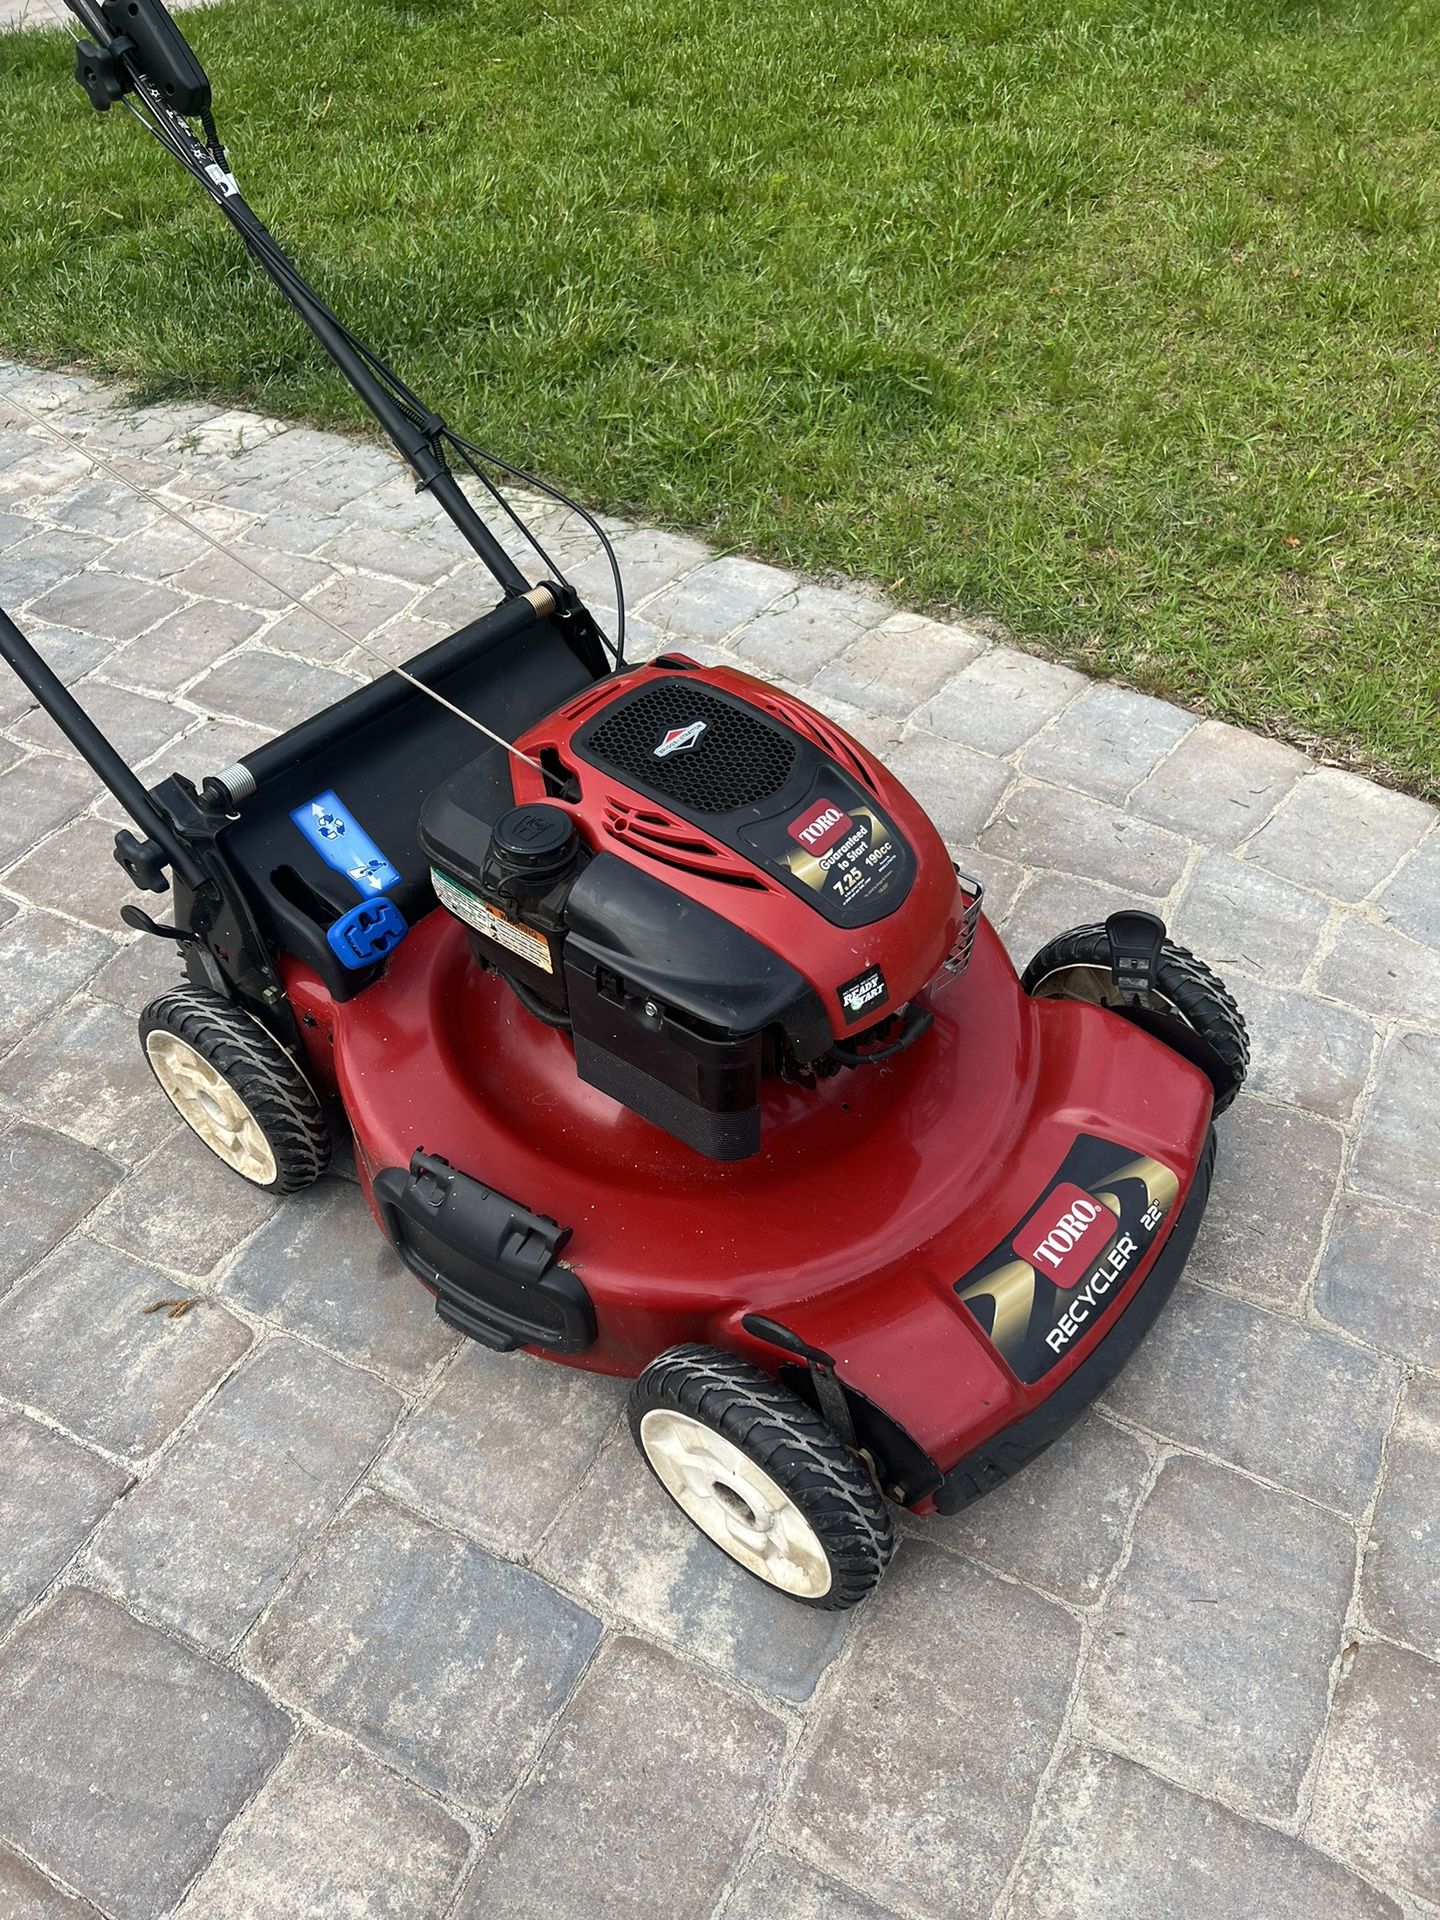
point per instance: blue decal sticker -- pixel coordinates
(343, 843)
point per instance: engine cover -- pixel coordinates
(751, 892)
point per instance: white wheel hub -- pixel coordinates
(210, 1106)
(735, 1502)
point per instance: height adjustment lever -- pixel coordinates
(1135, 942)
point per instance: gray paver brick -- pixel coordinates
(1266, 1393)
(1305, 1051)
(333, 1833)
(717, 597)
(669, 1768)
(204, 1543)
(1398, 1152)
(1219, 784)
(443, 1660)
(37, 796)
(137, 1752)
(418, 558)
(1047, 827)
(622, 1544)
(1001, 700)
(493, 1448)
(897, 665)
(43, 960)
(1106, 742)
(1383, 972)
(808, 628)
(1234, 915)
(26, 1894)
(109, 604)
(1114, 1843)
(209, 748)
(775, 1887)
(1400, 1585)
(1380, 1278)
(919, 1767)
(1212, 1656)
(649, 562)
(68, 653)
(1412, 899)
(83, 1072)
(1340, 834)
(263, 578)
(958, 789)
(52, 1493)
(268, 689)
(101, 506)
(184, 1210)
(136, 973)
(1375, 1800)
(1275, 1175)
(76, 873)
(184, 644)
(50, 1184)
(306, 636)
(358, 603)
(76, 1342)
(1059, 1525)
(35, 565)
(321, 1268)
(137, 724)
(1052, 903)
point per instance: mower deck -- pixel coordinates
(877, 1195)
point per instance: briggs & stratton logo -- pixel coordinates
(679, 738)
(1065, 1240)
(820, 826)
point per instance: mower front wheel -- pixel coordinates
(235, 1086)
(1076, 966)
(762, 1474)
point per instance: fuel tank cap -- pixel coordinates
(536, 841)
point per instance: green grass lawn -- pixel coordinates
(1115, 322)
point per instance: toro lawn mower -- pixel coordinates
(672, 1042)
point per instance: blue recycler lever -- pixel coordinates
(367, 933)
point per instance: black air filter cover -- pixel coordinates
(738, 758)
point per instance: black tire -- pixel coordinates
(792, 1446)
(272, 1091)
(1198, 996)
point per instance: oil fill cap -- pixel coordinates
(536, 841)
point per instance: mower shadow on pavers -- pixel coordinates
(672, 1042)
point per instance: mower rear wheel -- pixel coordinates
(762, 1474)
(235, 1086)
(1076, 966)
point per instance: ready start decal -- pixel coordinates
(1049, 1282)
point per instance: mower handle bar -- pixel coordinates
(140, 49)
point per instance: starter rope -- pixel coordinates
(182, 520)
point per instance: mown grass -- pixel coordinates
(1112, 319)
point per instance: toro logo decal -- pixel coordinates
(678, 739)
(1065, 1239)
(820, 826)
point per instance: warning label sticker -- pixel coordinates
(488, 920)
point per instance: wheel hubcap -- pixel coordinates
(1096, 987)
(735, 1502)
(210, 1106)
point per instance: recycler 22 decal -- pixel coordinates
(1048, 1283)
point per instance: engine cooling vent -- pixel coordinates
(829, 739)
(737, 761)
(660, 837)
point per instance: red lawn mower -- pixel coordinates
(672, 1042)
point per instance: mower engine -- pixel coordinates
(704, 883)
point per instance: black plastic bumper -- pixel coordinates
(1014, 1446)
